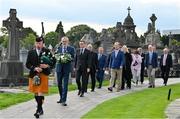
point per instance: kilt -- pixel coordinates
(42, 88)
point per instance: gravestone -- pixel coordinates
(152, 36)
(90, 38)
(12, 69)
(106, 41)
(23, 58)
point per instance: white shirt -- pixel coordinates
(63, 48)
(38, 51)
(116, 52)
(164, 59)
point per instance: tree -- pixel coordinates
(28, 41)
(4, 37)
(77, 32)
(165, 40)
(51, 38)
(60, 30)
(27, 31)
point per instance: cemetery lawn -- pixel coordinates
(149, 103)
(9, 99)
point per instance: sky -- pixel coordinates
(97, 14)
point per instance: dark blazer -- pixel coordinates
(154, 60)
(33, 60)
(143, 60)
(102, 62)
(82, 60)
(169, 62)
(94, 61)
(67, 67)
(116, 62)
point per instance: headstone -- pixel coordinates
(106, 41)
(90, 38)
(152, 36)
(12, 69)
(23, 58)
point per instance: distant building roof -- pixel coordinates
(172, 31)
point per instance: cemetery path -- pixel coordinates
(77, 106)
(173, 110)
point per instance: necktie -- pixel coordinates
(64, 49)
(81, 52)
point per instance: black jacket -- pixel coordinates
(94, 61)
(33, 60)
(169, 62)
(82, 60)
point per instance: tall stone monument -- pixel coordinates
(152, 36)
(11, 72)
(90, 38)
(106, 41)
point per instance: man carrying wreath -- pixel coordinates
(39, 62)
(64, 57)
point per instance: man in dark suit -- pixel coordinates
(102, 60)
(93, 68)
(63, 70)
(151, 63)
(116, 65)
(165, 65)
(142, 64)
(82, 67)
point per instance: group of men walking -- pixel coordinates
(123, 65)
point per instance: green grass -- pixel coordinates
(149, 103)
(9, 99)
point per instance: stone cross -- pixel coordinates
(153, 18)
(128, 10)
(14, 27)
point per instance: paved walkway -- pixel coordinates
(77, 106)
(173, 110)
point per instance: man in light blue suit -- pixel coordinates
(116, 65)
(151, 63)
(63, 70)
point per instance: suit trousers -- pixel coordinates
(81, 79)
(92, 73)
(151, 75)
(116, 74)
(63, 78)
(165, 73)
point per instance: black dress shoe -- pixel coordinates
(149, 86)
(60, 101)
(64, 104)
(37, 114)
(79, 92)
(99, 87)
(92, 90)
(110, 89)
(82, 95)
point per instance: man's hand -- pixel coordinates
(44, 66)
(38, 69)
